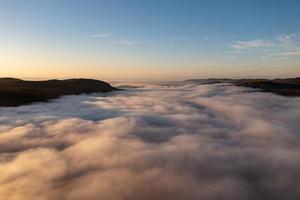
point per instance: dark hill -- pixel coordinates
(16, 92)
(286, 86)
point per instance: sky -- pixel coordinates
(166, 39)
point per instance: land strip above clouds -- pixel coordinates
(16, 92)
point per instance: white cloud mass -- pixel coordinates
(101, 35)
(168, 142)
(258, 43)
(286, 39)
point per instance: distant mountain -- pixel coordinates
(286, 87)
(16, 92)
(210, 80)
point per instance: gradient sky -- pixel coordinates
(154, 39)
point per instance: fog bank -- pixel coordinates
(170, 142)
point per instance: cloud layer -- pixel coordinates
(155, 142)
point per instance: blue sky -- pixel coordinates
(149, 39)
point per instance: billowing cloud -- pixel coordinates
(181, 141)
(101, 35)
(125, 42)
(287, 38)
(258, 43)
(178, 38)
(115, 40)
(287, 53)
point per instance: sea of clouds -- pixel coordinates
(156, 142)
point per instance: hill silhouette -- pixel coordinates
(16, 92)
(285, 87)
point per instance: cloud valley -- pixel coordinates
(185, 141)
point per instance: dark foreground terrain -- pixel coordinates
(286, 87)
(16, 92)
